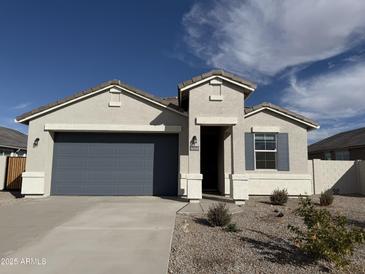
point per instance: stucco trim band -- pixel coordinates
(33, 183)
(194, 176)
(216, 98)
(111, 128)
(216, 121)
(194, 186)
(115, 104)
(265, 184)
(278, 176)
(265, 129)
(239, 188)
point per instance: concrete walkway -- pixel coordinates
(88, 235)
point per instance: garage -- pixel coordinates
(115, 164)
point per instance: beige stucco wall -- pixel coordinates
(2, 171)
(344, 177)
(96, 110)
(200, 105)
(137, 111)
(231, 106)
(361, 176)
(265, 184)
(297, 134)
(297, 180)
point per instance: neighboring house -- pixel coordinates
(114, 139)
(349, 145)
(12, 142)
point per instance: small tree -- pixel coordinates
(218, 215)
(279, 197)
(326, 236)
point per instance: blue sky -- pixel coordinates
(308, 56)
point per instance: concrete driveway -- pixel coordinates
(87, 235)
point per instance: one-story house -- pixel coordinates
(12, 142)
(114, 139)
(348, 145)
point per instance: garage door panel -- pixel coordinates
(114, 164)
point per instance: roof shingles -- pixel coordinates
(222, 73)
(167, 103)
(348, 139)
(171, 102)
(12, 139)
(280, 109)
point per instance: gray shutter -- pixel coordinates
(283, 152)
(249, 151)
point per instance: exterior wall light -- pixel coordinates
(194, 144)
(194, 140)
(36, 141)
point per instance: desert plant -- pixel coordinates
(279, 197)
(218, 215)
(326, 198)
(232, 228)
(325, 236)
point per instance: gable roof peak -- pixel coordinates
(25, 117)
(217, 72)
(270, 106)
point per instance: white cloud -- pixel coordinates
(262, 38)
(335, 95)
(336, 99)
(22, 105)
(10, 123)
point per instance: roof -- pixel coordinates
(348, 139)
(254, 109)
(222, 73)
(171, 100)
(12, 138)
(171, 103)
(168, 103)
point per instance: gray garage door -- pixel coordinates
(115, 164)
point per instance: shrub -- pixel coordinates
(218, 215)
(325, 237)
(232, 228)
(326, 198)
(279, 197)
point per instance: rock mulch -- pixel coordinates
(263, 244)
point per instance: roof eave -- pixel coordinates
(247, 87)
(310, 125)
(26, 117)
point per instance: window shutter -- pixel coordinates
(249, 151)
(283, 152)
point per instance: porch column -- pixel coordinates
(227, 143)
(194, 177)
(239, 187)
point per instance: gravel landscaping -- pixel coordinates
(263, 244)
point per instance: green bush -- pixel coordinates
(325, 237)
(326, 198)
(218, 215)
(279, 197)
(232, 228)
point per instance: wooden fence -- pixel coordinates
(15, 168)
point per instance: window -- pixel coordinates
(327, 156)
(265, 150)
(342, 155)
